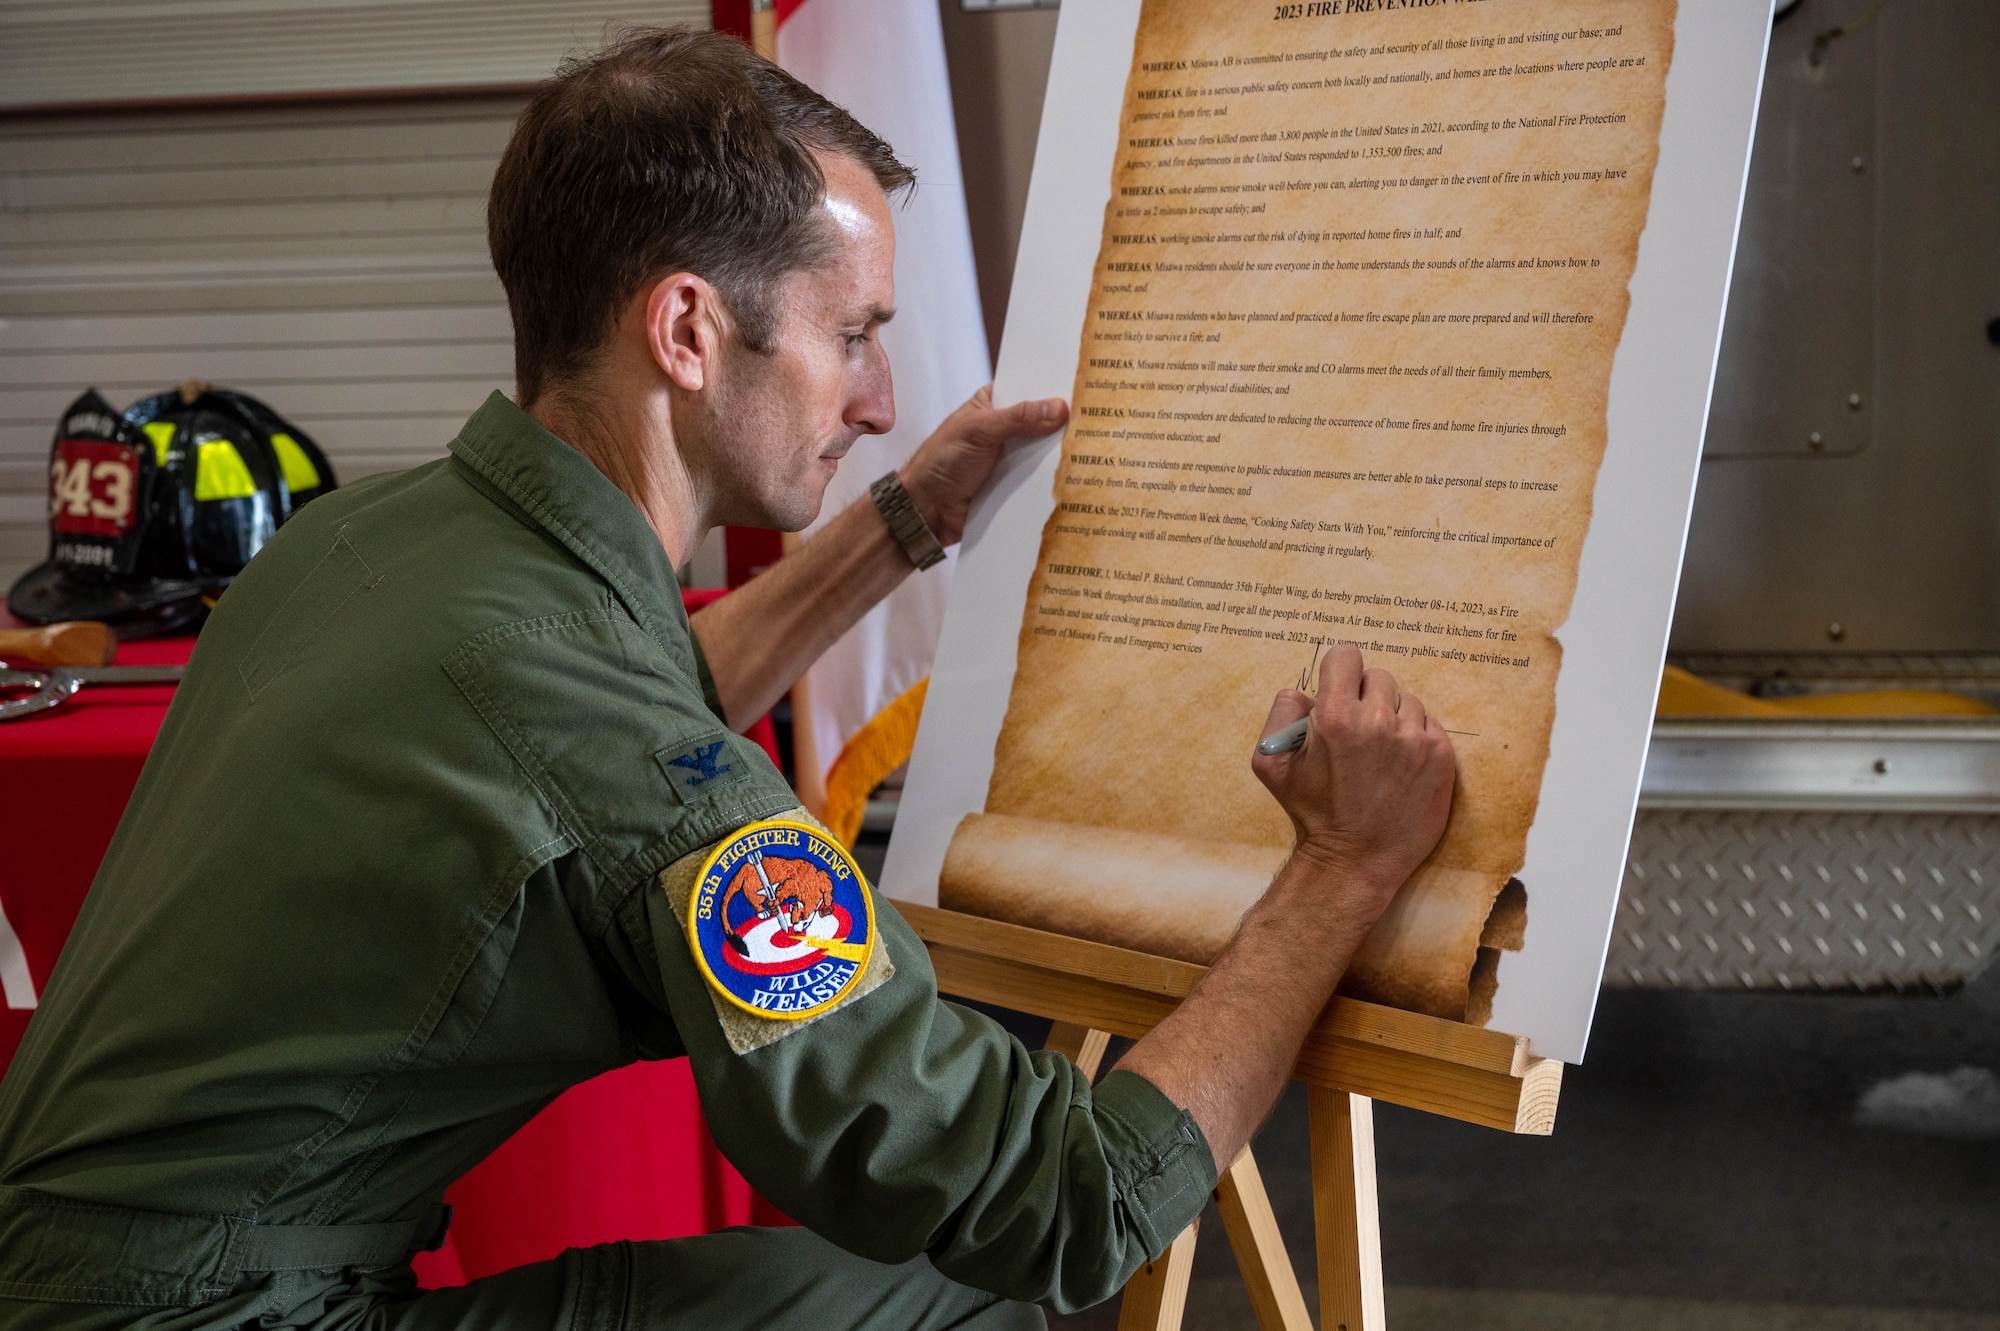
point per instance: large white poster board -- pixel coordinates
(1576, 694)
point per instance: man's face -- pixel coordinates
(778, 423)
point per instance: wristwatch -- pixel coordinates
(907, 525)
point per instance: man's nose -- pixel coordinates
(871, 404)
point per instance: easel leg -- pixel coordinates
(1156, 1295)
(1344, 1215)
(1080, 1044)
(1259, 1248)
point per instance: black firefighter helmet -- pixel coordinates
(153, 513)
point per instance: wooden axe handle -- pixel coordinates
(78, 643)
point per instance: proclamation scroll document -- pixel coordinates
(1347, 373)
(1343, 379)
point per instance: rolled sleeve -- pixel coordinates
(900, 1124)
(1165, 1169)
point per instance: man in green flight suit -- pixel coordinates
(415, 849)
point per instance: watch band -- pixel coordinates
(907, 525)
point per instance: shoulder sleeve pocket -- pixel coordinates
(333, 581)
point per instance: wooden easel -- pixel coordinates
(1356, 1054)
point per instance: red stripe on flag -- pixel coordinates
(748, 551)
(733, 16)
(730, 16)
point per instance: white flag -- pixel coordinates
(883, 60)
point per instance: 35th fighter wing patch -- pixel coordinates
(780, 921)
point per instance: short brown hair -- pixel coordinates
(668, 151)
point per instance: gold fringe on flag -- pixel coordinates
(874, 751)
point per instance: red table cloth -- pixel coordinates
(624, 1156)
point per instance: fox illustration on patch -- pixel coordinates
(781, 921)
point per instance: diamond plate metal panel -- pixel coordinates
(1743, 899)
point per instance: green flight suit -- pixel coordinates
(391, 882)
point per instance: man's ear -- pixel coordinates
(686, 324)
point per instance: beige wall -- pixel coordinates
(999, 69)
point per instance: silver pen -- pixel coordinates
(1285, 740)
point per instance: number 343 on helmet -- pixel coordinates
(154, 510)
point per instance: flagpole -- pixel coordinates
(764, 28)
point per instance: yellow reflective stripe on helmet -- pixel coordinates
(300, 473)
(162, 435)
(219, 472)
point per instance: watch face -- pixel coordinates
(907, 525)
